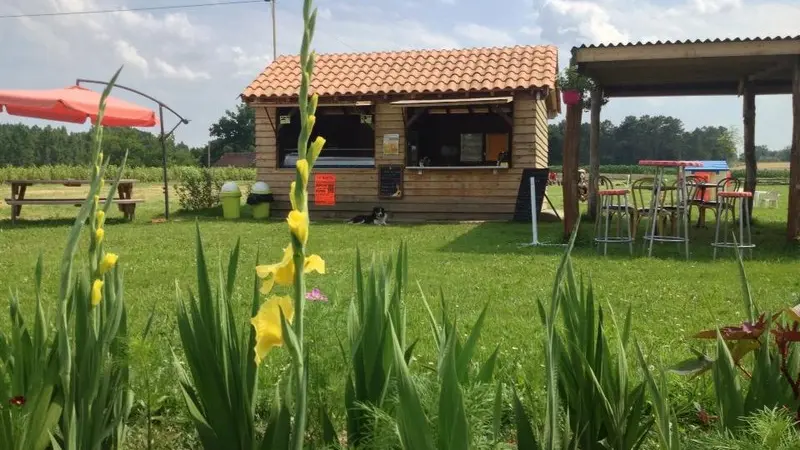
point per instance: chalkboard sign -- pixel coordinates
(522, 210)
(390, 181)
(472, 147)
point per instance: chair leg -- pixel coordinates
(628, 223)
(716, 232)
(608, 219)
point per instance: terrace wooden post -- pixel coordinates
(793, 222)
(749, 116)
(572, 138)
(594, 148)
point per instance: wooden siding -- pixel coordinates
(529, 143)
(429, 194)
(542, 147)
(266, 145)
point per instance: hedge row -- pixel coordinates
(142, 174)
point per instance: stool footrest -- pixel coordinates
(612, 192)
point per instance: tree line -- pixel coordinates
(656, 137)
(23, 146)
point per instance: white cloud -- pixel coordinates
(713, 6)
(484, 35)
(534, 32)
(324, 14)
(246, 63)
(590, 20)
(181, 72)
(615, 21)
(175, 25)
(130, 55)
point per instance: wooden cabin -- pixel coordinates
(428, 135)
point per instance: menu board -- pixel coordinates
(324, 189)
(472, 147)
(390, 181)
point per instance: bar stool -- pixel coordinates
(613, 204)
(727, 203)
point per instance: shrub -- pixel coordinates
(198, 190)
(773, 375)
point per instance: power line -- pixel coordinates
(142, 8)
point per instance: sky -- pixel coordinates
(198, 60)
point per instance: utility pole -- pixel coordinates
(208, 154)
(274, 32)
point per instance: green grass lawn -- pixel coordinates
(472, 264)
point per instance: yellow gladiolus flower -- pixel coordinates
(316, 148)
(101, 218)
(108, 263)
(313, 105)
(267, 324)
(282, 273)
(312, 119)
(314, 263)
(298, 225)
(302, 169)
(97, 292)
(98, 235)
(291, 194)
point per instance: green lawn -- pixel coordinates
(471, 263)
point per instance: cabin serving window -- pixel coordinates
(348, 132)
(459, 135)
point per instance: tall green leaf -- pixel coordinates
(411, 420)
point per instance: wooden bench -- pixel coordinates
(127, 205)
(125, 202)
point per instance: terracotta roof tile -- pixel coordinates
(412, 72)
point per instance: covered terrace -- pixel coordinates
(741, 67)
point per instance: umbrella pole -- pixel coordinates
(164, 161)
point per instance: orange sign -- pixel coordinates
(324, 189)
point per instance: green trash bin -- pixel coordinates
(230, 196)
(259, 199)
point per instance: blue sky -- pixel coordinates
(199, 60)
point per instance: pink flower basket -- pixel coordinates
(571, 97)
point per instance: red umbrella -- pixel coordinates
(75, 104)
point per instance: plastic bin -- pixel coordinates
(230, 196)
(259, 199)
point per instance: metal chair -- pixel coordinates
(723, 185)
(613, 205)
(727, 204)
(642, 191)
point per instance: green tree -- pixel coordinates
(235, 132)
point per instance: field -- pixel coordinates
(470, 263)
(772, 165)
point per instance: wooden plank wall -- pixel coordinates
(428, 194)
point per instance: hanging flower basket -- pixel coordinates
(571, 97)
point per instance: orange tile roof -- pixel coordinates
(412, 72)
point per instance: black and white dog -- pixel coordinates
(378, 217)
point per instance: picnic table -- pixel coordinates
(124, 200)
